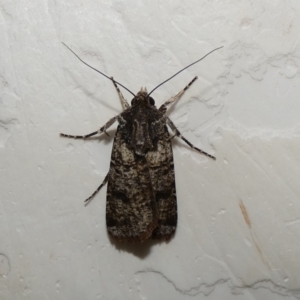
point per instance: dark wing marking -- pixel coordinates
(131, 213)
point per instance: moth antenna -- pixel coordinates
(99, 71)
(183, 69)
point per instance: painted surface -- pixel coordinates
(239, 216)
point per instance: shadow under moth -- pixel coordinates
(141, 194)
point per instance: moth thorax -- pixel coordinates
(141, 137)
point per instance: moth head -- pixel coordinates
(142, 98)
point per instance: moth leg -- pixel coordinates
(102, 129)
(123, 100)
(163, 108)
(178, 134)
(88, 200)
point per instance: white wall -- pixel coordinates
(239, 216)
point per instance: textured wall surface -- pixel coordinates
(238, 233)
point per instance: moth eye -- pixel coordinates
(151, 100)
(133, 101)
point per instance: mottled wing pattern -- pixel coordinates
(131, 213)
(161, 169)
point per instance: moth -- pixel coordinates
(141, 194)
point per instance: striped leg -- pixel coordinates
(123, 100)
(178, 134)
(163, 108)
(88, 200)
(102, 129)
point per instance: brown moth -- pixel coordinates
(141, 193)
